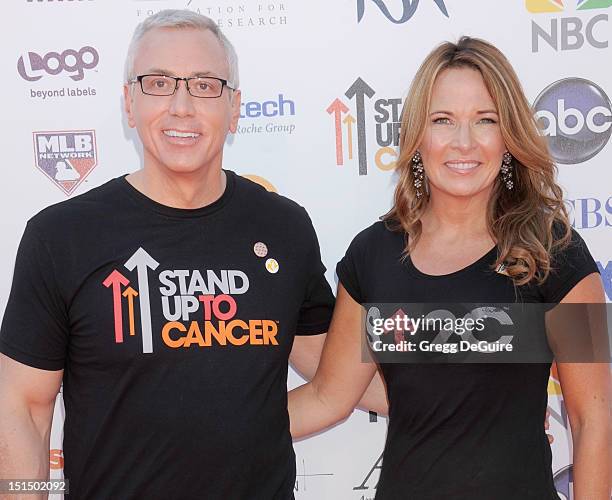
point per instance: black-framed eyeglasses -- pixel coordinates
(197, 86)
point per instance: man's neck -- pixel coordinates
(189, 190)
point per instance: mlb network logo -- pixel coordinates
(66, 157)
(539, 6)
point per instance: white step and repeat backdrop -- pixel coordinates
(323, 82)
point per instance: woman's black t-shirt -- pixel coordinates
(461, 431)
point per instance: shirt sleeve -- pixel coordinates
(35, 325)
(318, 305)
(569, 266)
(347, 270)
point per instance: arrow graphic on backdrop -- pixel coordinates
(359, 89)
(130, 293)
(337, 108)
(142, 261)
(409, 8)
(116, 279)
(348, 121)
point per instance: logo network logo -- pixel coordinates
(273, 108)
(66, 157)
(409, 9)
(387, 118)
(589, 213)
(569, 32)
(576, 115)
(33, 66)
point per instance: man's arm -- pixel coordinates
(305, 357)
(27, 400)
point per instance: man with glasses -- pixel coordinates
(166, 300)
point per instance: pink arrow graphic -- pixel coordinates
(116, 279)
(337, 108)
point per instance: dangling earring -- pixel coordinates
(417, 172)
(506, 170)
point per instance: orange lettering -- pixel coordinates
(194, 335)
(270, 329)
(169, 341)
(229, 332)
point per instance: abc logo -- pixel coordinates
(576, 115)
(53, 63)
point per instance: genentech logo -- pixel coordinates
(409, 8)
(272, 116)
(185, 295)
(66, 157)
(576, 115)
(349, 126)
(33, 66)
(569, 32)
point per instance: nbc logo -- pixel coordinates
(569, 32)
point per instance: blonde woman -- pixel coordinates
(477, 216)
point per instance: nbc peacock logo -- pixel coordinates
(542, 6)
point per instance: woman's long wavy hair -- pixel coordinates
(520, 220)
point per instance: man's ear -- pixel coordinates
(128, 102)
(236, 99)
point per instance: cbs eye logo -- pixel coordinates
(576, 116)
(33, 66)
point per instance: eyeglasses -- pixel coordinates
(197, 86)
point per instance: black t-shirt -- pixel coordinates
(173, 328)
(460, 431)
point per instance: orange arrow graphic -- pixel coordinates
(349, 120)
(130, 293)
(337, 107)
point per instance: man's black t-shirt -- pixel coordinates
(173, 328)
(460, 431)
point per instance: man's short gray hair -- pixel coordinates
(181, 19)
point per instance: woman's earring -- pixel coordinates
(418, 173)
(506, 170)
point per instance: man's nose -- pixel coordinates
(181, 103)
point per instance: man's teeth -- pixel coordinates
(462, 166)
(176, 133)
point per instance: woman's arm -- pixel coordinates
(587, 391)
(305, 356)
(341, 378)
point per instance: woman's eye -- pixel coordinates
(441, 120)
(487, 120)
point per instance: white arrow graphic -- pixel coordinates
(141, 260)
